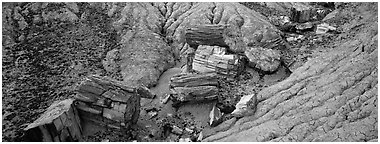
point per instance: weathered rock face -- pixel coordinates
(332, 97)
(147, 31)
(251, 27)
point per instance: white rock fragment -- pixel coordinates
(215, 114)
(177, 130)
(189, 130)
(200, 137)
(246, 106)
(165, 99)
(184, 140)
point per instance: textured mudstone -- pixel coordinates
(332, 97)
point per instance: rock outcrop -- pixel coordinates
(332, 97)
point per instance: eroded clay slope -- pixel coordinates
(154, 38)
(333, 97)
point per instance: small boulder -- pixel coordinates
(246, 106)
(215, 115)
(264, 59)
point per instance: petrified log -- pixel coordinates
(228, 65)
(205, 35)
(228, 36)
(191, 80)
(59, 123)
(108, 102)
(194, 87)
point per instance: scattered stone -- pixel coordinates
(200, 137)
(189, 130)
(304, 26)
(144, 92)
(246, 106)
(105, 140)
(152, 114)
(324, 28)
(59, 123)
(330, 15)
(165, 99)
(215, 115)
(263, 59)
(185, 140)
(280, 20)
(169, 115)
(290, 39)
(177, 130)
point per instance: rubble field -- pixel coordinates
(190, 72)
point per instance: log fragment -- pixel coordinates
(57, 123)
(206, 61)
(194, 87)
(211, 35)
(228, 36)
(112, 105)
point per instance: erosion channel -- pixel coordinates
(190, 72)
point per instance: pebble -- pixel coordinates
(189, 130)
(200, 137)
(177, 130)
(165, 99)
(184, 140)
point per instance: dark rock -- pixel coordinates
(59, 120)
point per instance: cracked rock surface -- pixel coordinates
(332, 97)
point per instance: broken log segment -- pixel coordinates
(227, 65)
(192, 80)
(228, 36)
(194, 87)
(58, 123)
(211, 35)
(117, 106)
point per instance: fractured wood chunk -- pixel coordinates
(65, 136)
(191, 80)
(195, 93)
(206, 35)
(113, 114)
(144, 92)
(87, 108)
(228, 65)
(108, 83)
(51, 125)
(86, 97)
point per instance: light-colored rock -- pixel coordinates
(263, 59)
(184, 140)
(246, 106)
(176, 130)
(215, 115)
